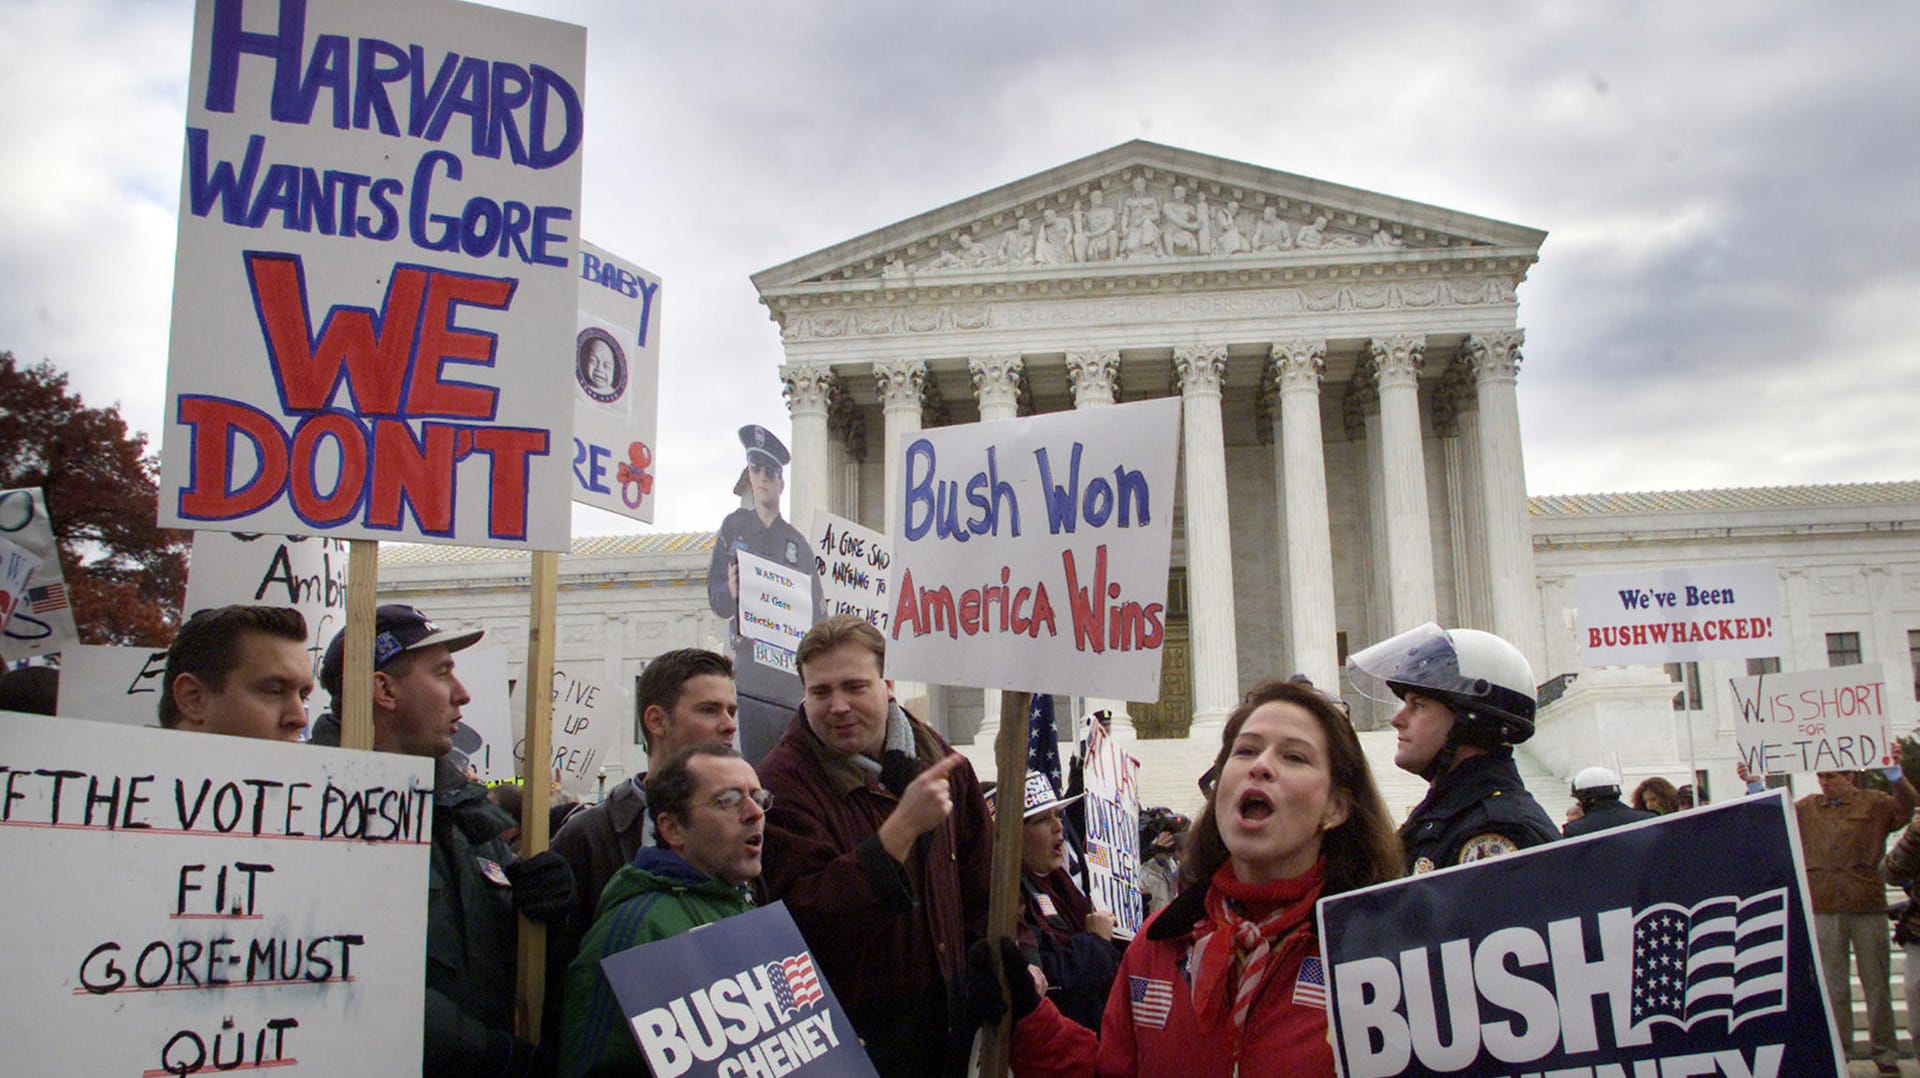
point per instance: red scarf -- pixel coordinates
(1231, 955)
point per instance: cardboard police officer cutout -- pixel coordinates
(759, 562)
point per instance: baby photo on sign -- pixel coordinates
(600, 366)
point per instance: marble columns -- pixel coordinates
(808, 391)
(1095, 378)
(1511, 590)
(901, 383)
(1403, 477)
(1216, 668)
(1298, 369)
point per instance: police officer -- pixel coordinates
(768, 692)
(1466, 698)
(1598, 791)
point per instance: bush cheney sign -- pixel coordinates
(375, 268)
(1032, 553)
(1678, 946)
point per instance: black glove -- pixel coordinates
(542, 886)
(985, 1006)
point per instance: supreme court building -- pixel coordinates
(1351, 457)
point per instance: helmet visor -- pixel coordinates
(1420, 658)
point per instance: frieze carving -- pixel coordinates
(1152, 215)
(805, 325)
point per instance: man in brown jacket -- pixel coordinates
(879, 843)
(1843, 830)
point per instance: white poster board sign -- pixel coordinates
(588, 715)
(109, 683)
(776, 603)
(307, 573)
(616, 374)
(487, 730)
(1679, 614)
(1828, 719)
(43, 624)
(1032, 553)
(852, 562)
(196, 898)
(375, 264)
(1113, 830)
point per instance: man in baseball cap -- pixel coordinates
(477, 886)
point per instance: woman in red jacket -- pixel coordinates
(1227, 979)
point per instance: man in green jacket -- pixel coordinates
(709, 812)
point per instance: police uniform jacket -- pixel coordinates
(1478, 809)
(1605, 815)
(778, 542)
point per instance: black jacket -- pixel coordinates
(1477, 809)
(1606, 814)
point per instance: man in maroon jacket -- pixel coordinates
(880, 844)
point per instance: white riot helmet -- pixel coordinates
(1595, 784)
(1485, 681)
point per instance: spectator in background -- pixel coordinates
(239, 670)
(1596, 792)
(1060, 931)
(1656, 795)
(1160, 875)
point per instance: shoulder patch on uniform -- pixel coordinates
(1490, 844)
(1422, 865)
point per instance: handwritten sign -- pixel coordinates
(377, 242)
(110, 683)
(43, 622)
(1829, 719)
(488, 733)
(776, 603)
(1686, 948)
(754, 967)
(307, 573)
(1113, 830)
(202, 903)
(852, 563)
(1679, 614)
(1032, 553)
(587, 718)
(16, 568)
(615, 365)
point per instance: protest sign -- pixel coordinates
(776, 603)
(1032, 554)
(487, 734)
(588, 715)
(852, 564)
(616, 371)
(1679, 614)
(112, 684)
(1682, 945)
(43, 622)
(781, 1016)
(16, 567)
(201, 903)
(307, 573)
(1113, 830)
(375, 266)
(1827, 719)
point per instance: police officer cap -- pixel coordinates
(762, 447)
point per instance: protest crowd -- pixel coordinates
(876, 836)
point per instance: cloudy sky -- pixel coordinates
(1731, 190)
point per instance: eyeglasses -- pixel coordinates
(731, 800)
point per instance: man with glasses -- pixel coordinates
(710, 814)
(768, 691)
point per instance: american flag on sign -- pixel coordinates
(47, 598)
(1310, 988)
(1099, 854)
(794, 983)
(1151, 1000)
(1726, 957)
